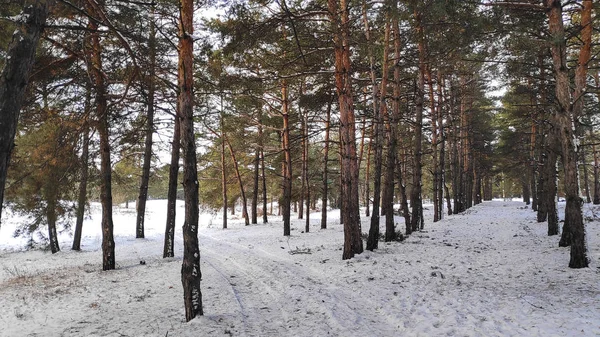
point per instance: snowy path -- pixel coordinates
(491, 271)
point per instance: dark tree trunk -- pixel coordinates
(306, 176)
(263, 175)
(286, 202)
(14, 78)
(403, 200)
(168, 250)
(441, 181)
(240, 182)
(596, 177)
(339, 12)
(223, 167)
(378, 119)
(190, 269)
(51, 196)
(586, 183)
(565, 117)
(392, 139)
(304, 159)
(82, 195)
(108, 243)
(551, 191)
(143, 195)
(533, 162)
(416, 202)
(254, 206)
(325, 182)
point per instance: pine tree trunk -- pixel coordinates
(168, 250)
(533, 161)
(378, 119)
(108, 243)
(190, 269)
(586, 183)
(286, 201)
(82, 195)
(325, 182)
(240, 182)
(551, 192)
(51, 196)
(392, 139)
(14, 78)
(403, 200)
(339, 14)
(143, 195)
(306, 176)
(565, 117)
(223, 167)
(442, 139)
(416, 202)
(304, 159)
(254, 206)
(263, 175)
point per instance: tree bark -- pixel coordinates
(14, 78)
(286, 202)
(378, 119)
(392, 139)
(108, 243)
(190, 269)
(223, 167)
(565, 118)
(263, 174)
(240, 182)
(168, 250)
(415, 199)
(254, 205)
(325, 181)
(339, 14)
(51, 196)
(143, 195)
(85, 150)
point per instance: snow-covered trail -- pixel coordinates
(491, 271)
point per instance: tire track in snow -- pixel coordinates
(341, 310)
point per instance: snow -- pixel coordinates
(491, 271)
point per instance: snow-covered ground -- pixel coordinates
(491, 271)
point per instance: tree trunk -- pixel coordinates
(14, 78)
(404, 200)
(108, 243)
(263, 175)
(551, 191)
(168, 250)
(392, 139)
(85, 150)
(286, 202)
(442, 139)
(565, 118)
(304, 158)
(596, 176)
(143, 195)
(415, 199)
(223, 167)
(190, 269)
(325, 194)
(339, 12)
(378, 119)
(240, 182)
(254, 206)
(306, 176)
(586, 183)
(51, 196)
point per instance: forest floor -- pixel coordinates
(491, 271)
